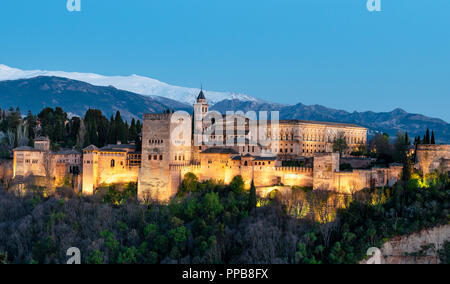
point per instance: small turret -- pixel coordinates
(42, 143)
(201, 97)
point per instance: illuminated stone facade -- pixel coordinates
(174, 144)
(211, 151)
(39, 161)
(433, 157)
(166, 142)
(109, 165)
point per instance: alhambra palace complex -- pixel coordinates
(174, 144)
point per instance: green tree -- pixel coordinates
(252, 201)
(97, 126)
(340, 144)
(433, 140)
(32, 124)
(237, 184)
(132, 133)
(189, 183)
(407, 141)
(121, 130)
(3, 258)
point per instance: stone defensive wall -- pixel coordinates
(157, 116)
(262, 175)
(433, 157)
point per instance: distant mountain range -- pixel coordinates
(76, 96)
(137, 84)
(388, 122)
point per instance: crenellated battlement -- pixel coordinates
(433, 157)
(183, 166)
(157, 116)
(433, 147)
(294, 169)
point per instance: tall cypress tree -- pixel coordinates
(112, 131)
(121, 129)
(132, 131)
(252, 198)
(433, 141)
(427, 137)
(32, 124)
(138, 127)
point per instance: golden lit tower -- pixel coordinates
(166, 144)
(201, 109)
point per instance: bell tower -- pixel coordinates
(201, 109)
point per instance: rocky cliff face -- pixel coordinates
(418, 248)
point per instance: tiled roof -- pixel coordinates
(68, 152)
(90, 148)
(298, 121)
(259, 158)
(217, 150)
(256, 158)
(118, 147)
(26, 148)
(201, 96)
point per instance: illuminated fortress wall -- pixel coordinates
(433, 157)
(351, 182)
(166, 142)
(109, 165)
(222, 167)
(40, 162)
(169, 151)
(328, 176)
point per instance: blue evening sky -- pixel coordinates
(329, 52)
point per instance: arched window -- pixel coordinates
(113, 163)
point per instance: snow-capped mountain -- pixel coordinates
(134, 83)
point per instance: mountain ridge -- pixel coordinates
(134, 83)
(77, 96)
(388, 122)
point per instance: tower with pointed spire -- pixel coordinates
(201, 109)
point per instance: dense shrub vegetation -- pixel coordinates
(444, 253)
(211, 222)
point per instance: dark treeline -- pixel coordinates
(427, 139)
(64, 131)
(388, 149)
